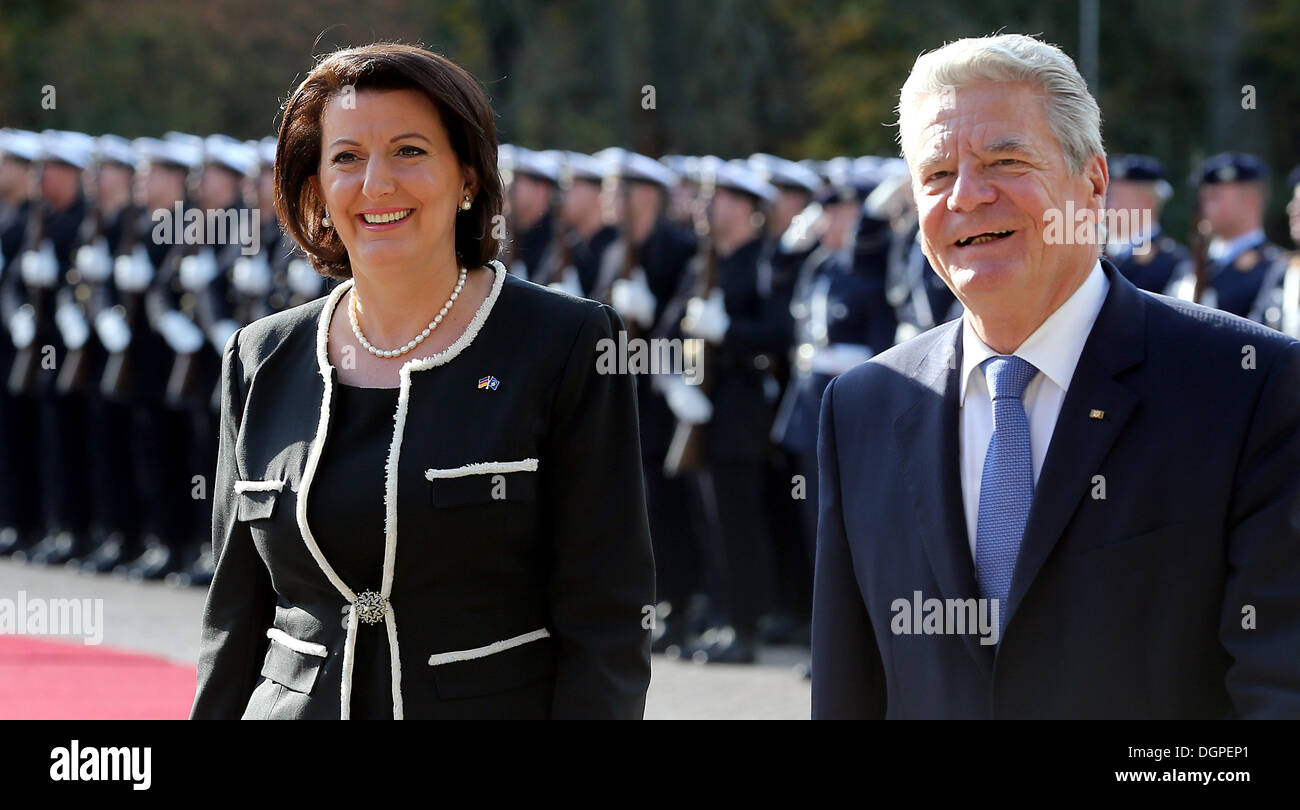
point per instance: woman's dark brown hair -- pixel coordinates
(465, 113)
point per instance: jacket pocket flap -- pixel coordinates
(294, 669)
(479, 483)
(255, 505)
(495, 672)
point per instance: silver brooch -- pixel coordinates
(371, 607)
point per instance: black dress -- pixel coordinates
(349, 524)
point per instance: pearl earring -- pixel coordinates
(466, 204)
(325, 221)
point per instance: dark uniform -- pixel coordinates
(50, 334)
(743, 390)
(20, 522)
(656, 268)
(1151, 260)
(1243, 274)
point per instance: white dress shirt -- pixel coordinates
(1053, 349)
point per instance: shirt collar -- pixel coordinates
(1228, 250)
(1056, 345)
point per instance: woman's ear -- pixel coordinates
(470, 181)
(315, 186)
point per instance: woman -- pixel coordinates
(430, 444)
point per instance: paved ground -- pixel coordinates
(163, 620)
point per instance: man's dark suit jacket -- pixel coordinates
(1175, 596)
(556, 563)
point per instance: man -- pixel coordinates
(1103, 483)
(20, 522)
(49, 331)
(1243, 275)
(745, 322)
(1136, 244)
(531, 180)
(587, 235)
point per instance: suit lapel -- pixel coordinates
(1080, 441)
(928, 443)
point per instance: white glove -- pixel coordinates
(94, 262)
(180, 333)
(72, 325)
(219, 333)
(569, 283)
(113, 331)
(133, 273)
(633, 299)
(251, 275)
(304, 280)
(40, 268)
(197, 271)
(687, 402)
(22, 327)
(707, 318)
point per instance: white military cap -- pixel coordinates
(115, 149)
(737, 175)
(781, 172)
(73, 148)
(578, 166)
(20, 144)
(230, 154)
(543, 165)
(635, 166)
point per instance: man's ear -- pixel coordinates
(1098, 173)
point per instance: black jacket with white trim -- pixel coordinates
(528, 601)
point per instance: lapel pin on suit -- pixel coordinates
(490, 383)
(1096, 414)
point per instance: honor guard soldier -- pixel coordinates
(21, 525)
(531, 180)
(150, 336)
(113, 220)
(638, 274)
(50, 332)
(1242, 271)
(586, 232)
(1136, 243)
(743, 326)
(841, 319)
(779, 269)
(206, 299)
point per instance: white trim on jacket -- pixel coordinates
(258, 486)
(296, 644)
(390, 481)
(484, 468)
(438, 659)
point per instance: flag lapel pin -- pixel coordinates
(489, 383)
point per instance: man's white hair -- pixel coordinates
(1072, 113)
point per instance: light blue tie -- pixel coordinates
(1007, 487)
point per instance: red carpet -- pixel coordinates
(67, 680)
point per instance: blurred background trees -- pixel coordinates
(800, 78)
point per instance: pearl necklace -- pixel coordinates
(418, 339)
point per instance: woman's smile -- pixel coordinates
(384, 219)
